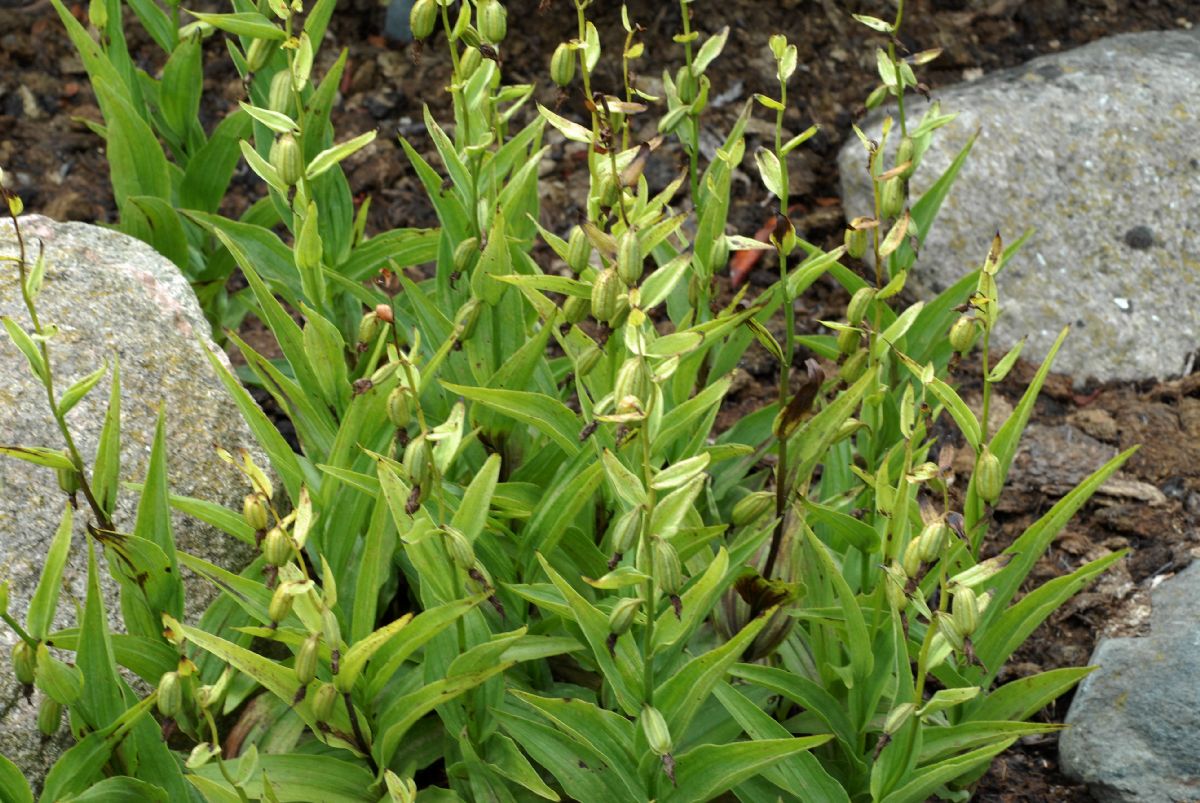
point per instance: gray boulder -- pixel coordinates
(110, 295)
(1134, 734)
(1096, 148)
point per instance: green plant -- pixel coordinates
(513, 548)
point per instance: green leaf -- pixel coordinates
(771, 171)
(549, 416)
(153, 521)
(939, 741)
(28, 347)
(278, 122)
(107, 469)
(44, 603)
(137, 165)
(710, 769)
(38, 455)
(246, 23)
(361, 651)
(857, 533)
(300, 777)
(120, 790)
(1022, 698)
(710, 50)
(77, 768)
(79, 389)
(925, 782)
(471, 515)
(416, 634)
(331, 156)
(13, 786)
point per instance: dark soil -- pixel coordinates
(57, 165)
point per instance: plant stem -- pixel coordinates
(693, 117)
(647, 549)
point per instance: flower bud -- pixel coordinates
(306, 659)
(469, 63)
(965, 610)
(423, 18)
(280, 605)
(932, 541)
(668, 573)
(287, 159)
(906, 152)
(170, 695)
(606, 291)
(751, 507)
(891, 197)
(257, 54)
(988, 482)
(24, 661)
(323, 702)
(398, 410)
(848, 340)
(626, 531)
(575, 309)
(860, 302)
(463, 253)
(562, 65)
(654, 725)
(856, 242)
(49, 716)
(277, 547)
(492, 20)
(254, 511)
(854, 366)
(629, 258)
(579, 248)
(621, 618)
(460, 549)
(963, 334)
(279, 98)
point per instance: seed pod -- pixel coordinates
(912, 558)
(965, 610)
(686, 84)
(280, 605)
(629, 258)
(575, 309)
(606, 291)
(308, 250)
(894, 587)
(751, 507)
(468, 318)
(932, 540)
(654, 725)
(463, 253)
(963, 334)
(860, 302)
(891, 197)
(848, 340)
(398, 410)
(720, 254)
(208, 696)
(905, 153)
(68, 480)
(626, 531)
(988, 482)
(949, 629)
(277, 547)
(856, 242)
(854, 366)
(460, 549)
(579, 248)
(323, 702)
(621, 618)
(492, 20)
(279, 99)
(469, 63)
(170, 695)
(668, 574)
(254, 511)
(24, 661)
(423, 18)
(369, 327)
(49, 716)
(562, 65)
(306, 659)
(257, 54)
(588, 360)
(287, 159)
(417, 456)
(633, 380)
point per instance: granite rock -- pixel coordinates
(1134, 734)
(112, 297)
(1095, 148)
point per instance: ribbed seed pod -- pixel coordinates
(965, 610)
(68, 479)
(277, 547)
(257, 54)
(369, 327)
(468, 318)
(626, 531)
(469, 63)
(895, 579)
(24, 661)
(856, 242)
(854, 366)
(588, 360)
(932, 540)
(606, 291)
(912, 558)
(254, 511)
(306, 659)
(287, 159)
(905, 153)
(49, 716)
(988, 482)
(492, 20)
(323, 702)
(949, 628)
(751, 507)
(579, 248)
(621, 618)
(860, 302)
(562, 65)
(633, 380)
(460, 549)
(423, 18)
(279, 99)
(280, 605)
(668, 573)
(575, 309)
(463, 252)
(629, 258)
(720, 254)
(848, 340)
(398, 410)
(963, 334)
(417, 457)
(170, 695)
(654, 725)
(891, 197)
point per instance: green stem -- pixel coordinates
(693, 117)
(651, 587)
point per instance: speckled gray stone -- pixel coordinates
(110, 295)
(1134, 733)
(1097, 149)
